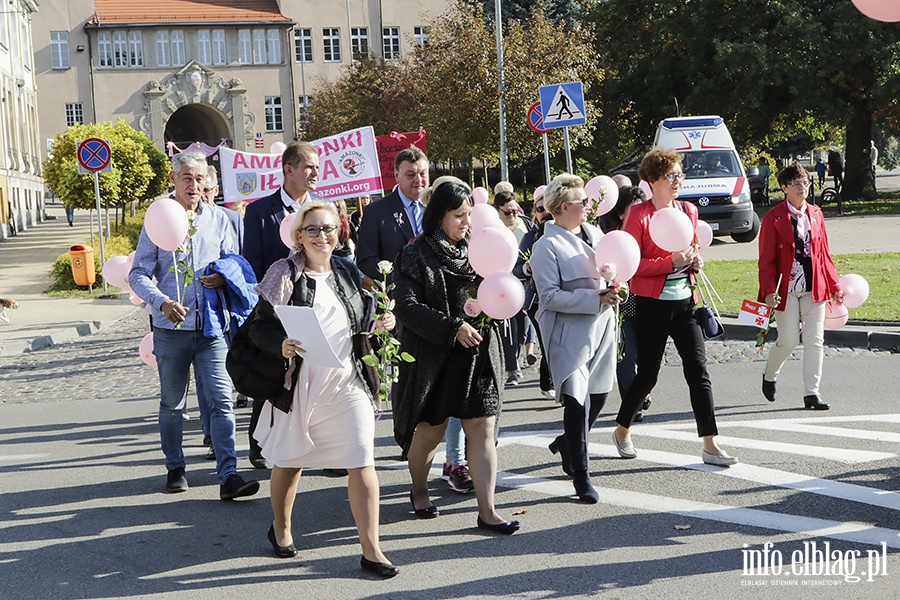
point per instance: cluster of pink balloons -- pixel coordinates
(493, 251)
(671, 229)
(880, 10)
(166, 224)
(602, 189)
(856, 292)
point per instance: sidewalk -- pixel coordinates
(41, 321)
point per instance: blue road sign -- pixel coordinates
(562, 105)
(94, 154)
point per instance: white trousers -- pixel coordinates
(800, 310)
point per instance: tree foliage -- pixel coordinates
(139, 169)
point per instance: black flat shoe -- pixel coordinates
(508, 527)
(768, 389)
(559, 446)
(281, 551)
(429, 512)
(814, 402)
(385, 570)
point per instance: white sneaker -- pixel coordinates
(548, 394)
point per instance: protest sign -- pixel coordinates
(755, 314)
(389, 146)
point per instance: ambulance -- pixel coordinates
(714, 176)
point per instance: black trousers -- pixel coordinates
(254, 419)
(577, 423)
(513, 338)
(656, 321)
(545, 379)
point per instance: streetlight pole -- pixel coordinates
(504, 158)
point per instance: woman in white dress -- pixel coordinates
(328, 420)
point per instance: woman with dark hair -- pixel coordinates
(459, 364)
(664, 307)
(794, 258)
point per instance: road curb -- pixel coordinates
(856, 336)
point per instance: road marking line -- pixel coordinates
(859, 434)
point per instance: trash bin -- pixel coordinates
(82, 258)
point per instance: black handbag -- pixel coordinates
(708, 320)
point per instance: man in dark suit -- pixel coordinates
(263, 217)
(391, 222)
(262, 239)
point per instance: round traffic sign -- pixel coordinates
(535, 118)
(94, 154)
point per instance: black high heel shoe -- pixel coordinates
(281, 551)
(508, 527)
(583, 488)
(385, 570)
(429, 512)
(559, 446)
(814, 402)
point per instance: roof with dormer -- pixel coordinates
(118, 13)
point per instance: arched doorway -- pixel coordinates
(198, 122)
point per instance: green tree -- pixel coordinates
(139, 169)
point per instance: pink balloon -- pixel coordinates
(671, 229)
(704, 234)
(645, 187)
(484, 215)
(836, 315)
(610, 194)
(856, 290)
(538, 192)
(622, 251)
(145, 349)
(134, 299)
(166, 224)
(501, 295)
(277, 148)
(115, 271)
(284, 230)
(493, 250)
(480, 195)
(880, 10)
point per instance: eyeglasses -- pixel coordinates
(313, 231)
(509, 212)
(585, 202)
(673, 177)
(800, 185)
(539, 209)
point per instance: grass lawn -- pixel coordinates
(736, 280)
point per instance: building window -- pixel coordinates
(391, 43)
(204, 52)
(245, 47)
(59, 49)
(274, 121)
(420, 34)
(104, 48)
(331, 37)
(274, 38)
(74, 114)
(26, 44)
(120, 49)
(259, 46)
(359, 42)
(162, 48)
(218, 47)
(303, 45)
(177, 37)
(135, 49)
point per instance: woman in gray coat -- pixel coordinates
(576, 320)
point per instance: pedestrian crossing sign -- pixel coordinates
(562, 105)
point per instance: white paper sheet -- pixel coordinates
(301, 324)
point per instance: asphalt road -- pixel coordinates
(83, 513)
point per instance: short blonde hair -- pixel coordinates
(561, 190)
(305, 209)
(504, 186)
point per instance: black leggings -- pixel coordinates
(657, 320)
(577, 423)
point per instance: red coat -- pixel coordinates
(776, 255)
(656, 263)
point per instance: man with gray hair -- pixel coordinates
(177, 303)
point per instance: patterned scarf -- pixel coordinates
(453, 256)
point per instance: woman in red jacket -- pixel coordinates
(793, 250)
(664, 307)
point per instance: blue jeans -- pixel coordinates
(456, 442)
(175, 352)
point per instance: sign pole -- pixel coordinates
(100, 232)
(568, 150)
(546, 160)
